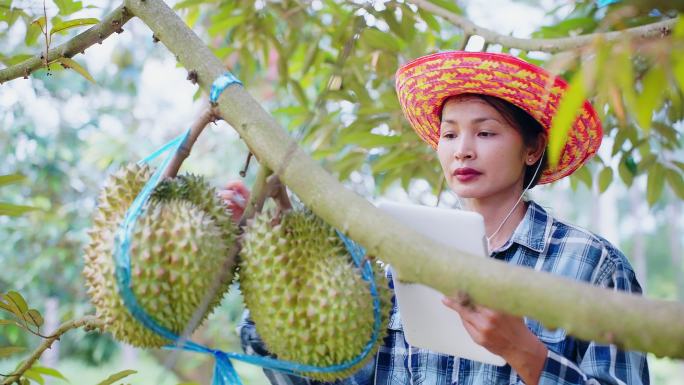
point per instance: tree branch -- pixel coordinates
(78, 44)
(587, 312)
(206, 117)
(89, 322)
(648, 31)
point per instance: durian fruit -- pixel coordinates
(180, 241)
(305, 295)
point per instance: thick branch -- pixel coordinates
(89, 322)
(79, 43)
(206, 117)
(587, 312)
(648, 31)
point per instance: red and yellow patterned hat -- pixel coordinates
(425, 83)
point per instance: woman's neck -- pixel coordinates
(495, 212)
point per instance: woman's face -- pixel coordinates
(481, 154)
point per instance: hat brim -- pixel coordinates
(425, 83)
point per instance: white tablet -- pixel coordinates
(426, 321)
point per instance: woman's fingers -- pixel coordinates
(235, 196)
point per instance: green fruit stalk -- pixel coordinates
(305, 295)
(180, 241)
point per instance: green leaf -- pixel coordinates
(567, 112)
(7, 351)
(40, 22)
(34, 317)
(381, 40)
(64, 26)
(584, 175)
(30, 374)
(605, 178)
(11, 210)
(655, 183)
(49, 372)
(117, 376)
(69, 63)
(392, 160)
(429, 19)
(11, 179)
(625, 172)
(67, 7)
(33, 30)
(449, 5)
(14, 298)
(676, 182)
(16, 59)
(8, 322)
(369, 140)
(651, 98)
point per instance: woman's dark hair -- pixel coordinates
(530, 129)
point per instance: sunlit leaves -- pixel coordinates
(567, 112)
(655, 183)
(70, 63)
(117, 376)
(605, 179)
(67, 7)
(67, 25)
(6, 351)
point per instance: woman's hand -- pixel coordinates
(505, 335)
(235, 195)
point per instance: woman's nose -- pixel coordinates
(464, 149)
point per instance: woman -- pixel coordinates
(488, 117)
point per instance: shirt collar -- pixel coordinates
(533, 230)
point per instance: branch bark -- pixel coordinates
(648, 31)
(587, 312)
(78, 44)
(88, 322)
(206, 117)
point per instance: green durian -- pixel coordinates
(305, 295)
(180, 241)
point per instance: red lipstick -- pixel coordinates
(466, 174)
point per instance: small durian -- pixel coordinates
(180, 241)
(305, 295)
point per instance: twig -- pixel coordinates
(89, 322)
(207, 116)
(243, 172)
(647, 31)
(110, 24)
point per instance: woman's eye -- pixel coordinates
(448, 135)
(486, 133)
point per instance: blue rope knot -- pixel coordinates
(224, 372)
(221, 83)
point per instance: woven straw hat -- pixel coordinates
(425, 83)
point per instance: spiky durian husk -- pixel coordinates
(305, 295)
(176, 249)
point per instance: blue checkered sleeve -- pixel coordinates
(599, 363)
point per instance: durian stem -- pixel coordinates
(89, 322)
(207, 116)
(278, 192)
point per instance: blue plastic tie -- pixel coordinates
(605, 3)
(224, 372)
(220, 84)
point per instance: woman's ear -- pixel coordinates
(535, 152)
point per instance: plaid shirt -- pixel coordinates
(540, 242)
